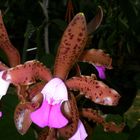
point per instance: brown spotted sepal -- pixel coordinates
(71, 46)
(22, 117)
(113, 127)
(96, 57)
(6, 45)
(27, 73)
(92, 115)
(93, 89)
(70, 110)
(96, 117)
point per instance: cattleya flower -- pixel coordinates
(49, 114)
(49, 100)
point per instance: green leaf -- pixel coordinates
(60, 23)
(48, 60)
(111, 39)
(100, 134)
(132, 116)
(101, 43)
(115, 118)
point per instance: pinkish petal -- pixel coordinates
(0, 114)
(81, 133)
(56, 118)
(101, 71)
(49, 115)
(3, 85)
(55, 91)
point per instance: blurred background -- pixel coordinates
(35, 28)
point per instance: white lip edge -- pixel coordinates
(62, 99)
(84, 135)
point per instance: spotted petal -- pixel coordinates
(71, 46)
(6, 45)
(96, 57)
(70, 110)
(27, 73)
(93, 89)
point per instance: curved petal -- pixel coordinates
(34, 92)
(3, 85)
(93, 115)
(27, 73)
(55, 91)
(49, 115)
(96, 21)
(113, 127)
(95, 90)
(3, 66)
(71, 46)
(70, 110)
(5, 44)
(101, 71)
(81, 133)
(96, 57)
(22, 117)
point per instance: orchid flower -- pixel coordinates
(54, 93)
(58, 108)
